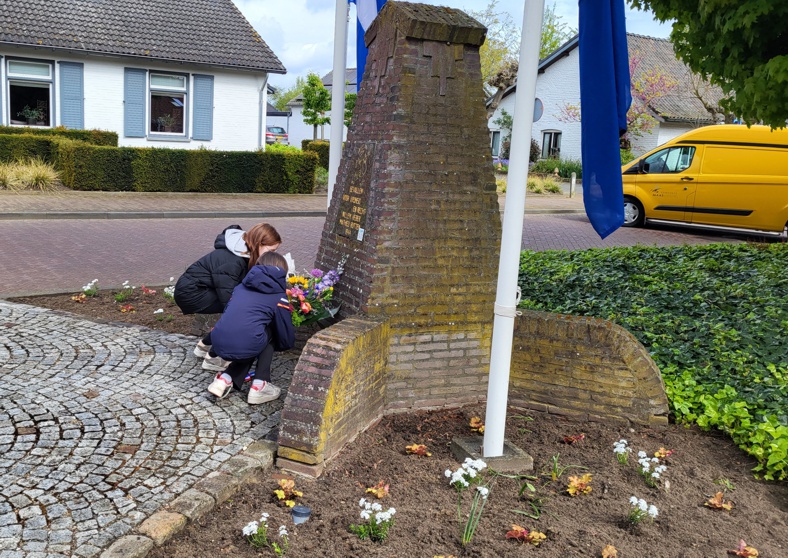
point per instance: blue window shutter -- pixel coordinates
(72, 97)
(202, 123)
(134, 91)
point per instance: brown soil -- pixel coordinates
(426, 521)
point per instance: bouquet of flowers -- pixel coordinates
(310, 295)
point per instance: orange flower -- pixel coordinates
(306, 308)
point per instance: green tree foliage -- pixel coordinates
(350, 104)
(505, 123)
(741, 46)
(502, 45)
(287, 94)
(555, 32)
(317, 103)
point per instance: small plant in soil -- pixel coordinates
(556, 469)
(467, 475)
(476, 425)
(286, 493)
(650, 469)
(380, 490)
(127, 309)
(91, 289)
(744, 550)
(418, 449)
(169, 291)
(579, 485)
(640, 510)
(525, 536)
(257, 535)
(622, 451)
(125, 292)
(718, 502)
(378, 521)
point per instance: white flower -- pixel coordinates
(633, 500)
(282, 531)
(264, 518)
(159, 311)
(661, 469)
(655, 460)
(642, 504)
(376, 507)
(622, 441)
(362, 502)
(125, 283)
(365, 514)
(382, 517)
(655, 475)
(484, 491)
(642, 454)
(447, 472)
(652, 510)
(172, 279)
(250, 529)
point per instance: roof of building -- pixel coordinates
(681, 104)
(210, 32)
(328, 81)
(271, 110)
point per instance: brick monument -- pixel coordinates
(415, 217)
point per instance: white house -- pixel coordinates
(298, 130)
(185, 74)
(557, 86)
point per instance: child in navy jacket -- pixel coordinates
(256, 321)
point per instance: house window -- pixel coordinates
(29, 87)
(551, 144)
(496, 144)
(167, 103)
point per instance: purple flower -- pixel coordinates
(316, 273)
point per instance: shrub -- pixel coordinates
(322, 148)
(321, 177)
(533, 156)
(565, 167)
(539, 185)
(290, 173)
(36, 174)
(90, 167)
(500, 185)
(534, 185)
(20, 147)
(8, 178)
(626, 156)
(94, 137)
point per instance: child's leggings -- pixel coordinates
(238, 369)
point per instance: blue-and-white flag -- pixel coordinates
(604, 101)
(366, 10)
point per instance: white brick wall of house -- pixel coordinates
(238, 120)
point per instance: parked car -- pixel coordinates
(725, 177)
(275, 134)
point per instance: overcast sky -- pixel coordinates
(301, 32)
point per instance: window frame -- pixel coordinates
(549, 151)
(495, 143)
(10, 79)
(165, 90)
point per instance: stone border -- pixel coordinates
(193, 504)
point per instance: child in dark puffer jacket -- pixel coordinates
(207, 284)
(256, 321)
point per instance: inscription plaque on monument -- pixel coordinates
(352, 211)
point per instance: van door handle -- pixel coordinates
(687, 178)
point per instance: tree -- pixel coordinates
(499, 54)
(284, 95)
(740, 46)
(646, 87)
(317, 103)
(350, 104)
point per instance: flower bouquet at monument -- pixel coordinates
(311, 295)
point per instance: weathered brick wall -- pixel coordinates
(416, 176)
(337, 390)
(586, 368)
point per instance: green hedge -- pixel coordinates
(25, 146)
(88, 167)
(94, 137)
(321, 148)
(565, 167)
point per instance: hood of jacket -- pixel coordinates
(231, 239)
(267, 279)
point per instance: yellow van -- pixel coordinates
(725, 177)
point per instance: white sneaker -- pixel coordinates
(201, 350)
(219, 387)
(217, 364)
(269, 392)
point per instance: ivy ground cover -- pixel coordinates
(714, 318)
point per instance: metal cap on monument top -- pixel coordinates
(415, 211)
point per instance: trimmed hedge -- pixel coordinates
(15, 147)
(88, 167)
(94, 137)
(320, 147)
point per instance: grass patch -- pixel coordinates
(714, 318)
(32, 174)
(540, 185)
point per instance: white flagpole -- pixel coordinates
(511, 241)
(338, 93)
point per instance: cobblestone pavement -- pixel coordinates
(102, 425)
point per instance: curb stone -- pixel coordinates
(194, 503)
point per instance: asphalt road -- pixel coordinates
(61, 255)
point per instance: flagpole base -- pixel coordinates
(513, 460)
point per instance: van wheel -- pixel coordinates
(633, 212)
(784, 236)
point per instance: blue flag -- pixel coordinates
(366, 11)
(604, 101)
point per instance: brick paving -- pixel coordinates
(102, 425)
